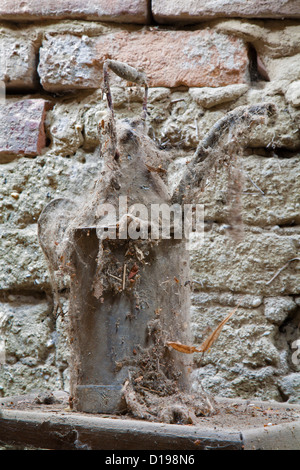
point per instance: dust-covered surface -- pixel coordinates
(229, 413)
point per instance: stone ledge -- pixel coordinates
(67, 431)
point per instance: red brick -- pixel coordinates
(169, 58)
(22, 127)
(120, 11)
(193, 11)
(175, 58)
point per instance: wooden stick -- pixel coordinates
(115, 277)
(281, 269)
(124, 276)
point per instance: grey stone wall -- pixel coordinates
(59, 64)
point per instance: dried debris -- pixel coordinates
(178, 408)
(206, 345)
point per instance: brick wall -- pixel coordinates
(202, 58)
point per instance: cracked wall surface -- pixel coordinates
(52, 70)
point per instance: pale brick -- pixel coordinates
(17, 62)
(175, 58)
(22, 127)
(69, 62)
(193, 11)
(169, 58)
(120, 11)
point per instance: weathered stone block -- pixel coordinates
(275, 38)
(247, 266)
(244, 356)
(228, 299)
(69, 62)
(290, 386)
(252, 356)
(278, 308)
(174, 58)
(27, 185)
(23, 265)
(283, 68)
(271, 188)
(22, 127)
(193, 11)
(169, 58)
(29, 341)
(125, 11)
(209, 97)
(65, 126)
(282, 129)
(270, 193)
(17, 62)
(292, 94)
(18, 313)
